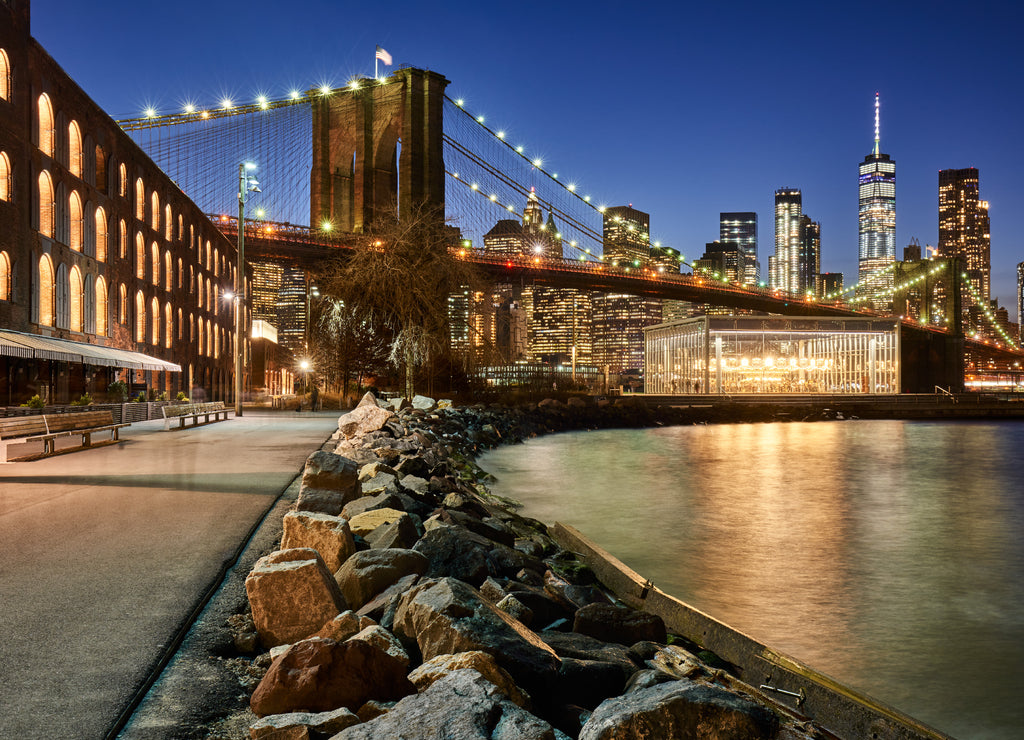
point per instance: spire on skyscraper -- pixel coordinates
(876, 125)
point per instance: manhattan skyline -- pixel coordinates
(684, 112)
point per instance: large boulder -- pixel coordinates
(440, 666)
(302, 725)
(292, 595)
(447, 615)
(680, 709)
(343, 626)
(462, 705)
(320, 675)
(401, 532)
(368, 503)
(328, 535)
(381, 638)
(363, 524)
(455, 551)
(591, 670)
(369, 572)
(329, 481)
(424, 403)
(619, 624)
(363, 420)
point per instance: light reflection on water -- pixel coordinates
(884, 553)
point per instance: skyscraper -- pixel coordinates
(964, 230)
(788, 213)
(1020, 304)
(627, 238)
(877, 235)
(809, 259)
(740, 227)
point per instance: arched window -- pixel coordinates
(168, 269)
(140, 317)
(154, 211)
(181, 227)
(5, 277)
(46, 137)
(154, 258)
(75, 307)
(101, 234)
(216, 341)
(168, 222)
(61, 302)
(75, 213)
(89, 304)
(101, 306)
(122, 180)
(101, 169)
(46, 204)
(155, 311)
(140, 256)
(168, 325)
(122, 305)
(75, 149)
(181, 273)
(208, 253)
(122, 240)
(140, 200)
(181, 325)
(216, 262)
(6, 176)
(200, 344)
(209, 339)
(5, 76)
(45, 305)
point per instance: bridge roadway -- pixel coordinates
(307, 248)
(105, 553)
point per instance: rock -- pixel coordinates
(413, 483)
(373, 709)
(329, 481)
(363, 419)
(341, 627)
(368, 503)
(462, 705)
(381, 638)
(368, 399)
(301, 724)
(400, 533)
(448, 616)
(680, 709)
(583, 647)
(424, 403)
(378, 607)
(587, 683)
(646, 678)
(373, 469)
(576, 402)
(549, 403)
(367, 573)
(445, 403)
(441, 665)
(328, 535)
(243, 632)
(456, 552)
(545, 608)
(618, 624)
(363, 524)
(492, 591)
(292, 595)
(322, 675)
(516, 609)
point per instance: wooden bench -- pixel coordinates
(185, 411)
(47, 428)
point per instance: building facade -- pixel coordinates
(740, 228)
(1020, 303)
(809, 259)
(785, 268)
(877, 225)
(98, 246)
(964, 231)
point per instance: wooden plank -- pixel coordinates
(22, 426)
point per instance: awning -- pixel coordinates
(19, 344)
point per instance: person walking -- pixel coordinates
(314, 398)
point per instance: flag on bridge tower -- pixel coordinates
(383, 56)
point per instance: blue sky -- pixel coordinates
(682, 109)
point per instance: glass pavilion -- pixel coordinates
(773, 354)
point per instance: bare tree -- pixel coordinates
(347, 344)
(400, 283)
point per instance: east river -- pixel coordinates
(887, 554)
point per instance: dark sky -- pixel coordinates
(682, 109)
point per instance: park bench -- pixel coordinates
(185, 411)
(47, 428)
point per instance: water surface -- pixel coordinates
(887, 554)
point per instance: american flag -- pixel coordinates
(384, 56)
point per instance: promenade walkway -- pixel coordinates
(105, 553)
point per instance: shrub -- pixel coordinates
(181, 397)
(118, 389)
(35, 402)
(140, 398)
(84, 400)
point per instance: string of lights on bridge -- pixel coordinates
(986, 311)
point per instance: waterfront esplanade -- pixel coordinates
(773, 354)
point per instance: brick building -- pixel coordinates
(107, 270)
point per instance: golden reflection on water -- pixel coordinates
(883, 553)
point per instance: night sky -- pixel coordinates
(683, 110)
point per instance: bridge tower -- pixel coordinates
(377, 144)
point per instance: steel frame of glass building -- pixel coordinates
(773, 354)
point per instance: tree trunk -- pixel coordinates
(408, 375)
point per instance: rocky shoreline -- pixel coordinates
(406, 600)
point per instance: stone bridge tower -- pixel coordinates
(375, 146)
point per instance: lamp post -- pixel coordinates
(305, 378)
(246, 185)
(314, 292)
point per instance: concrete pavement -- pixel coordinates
(105, 553)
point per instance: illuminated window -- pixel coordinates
(201, 346)
(75, 212)
(45, 112)
(101, 306)
(75, 149)
(5, 76)
(122, 305)
(168, 269)
(45, 293)
(140, 256)
(168, 222)
(216, 262)
(122, 240)
(168, 325)
(6, 186)
(155, 311)
(140, 200)
(181, 329)
(75, 300)
(155, 211)
(122, 180)
(101, 235)
(154, 255)
(46, 204)
(140, 317)
(5, 277)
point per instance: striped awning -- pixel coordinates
(35, 346)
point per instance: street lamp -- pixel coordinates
(246, 185)
(314, 292)
(305, 379)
